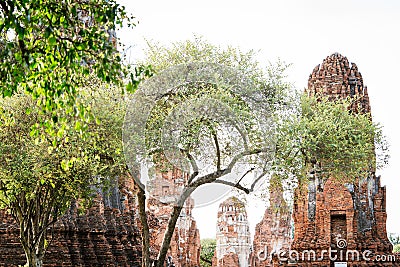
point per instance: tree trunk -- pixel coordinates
(33, 254)
(168, 236)
(33, 243)
(171, 226)
(145, 228)
(33, 260)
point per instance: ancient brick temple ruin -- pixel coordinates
(347, 220)
(329, 216)
(273, 232)
(108, 234)
(233, 242)
(330, 219)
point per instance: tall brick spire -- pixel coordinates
(233, 235)
(337, 78)
(329, 215)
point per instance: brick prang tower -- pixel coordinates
(329, 215)
(233, 235)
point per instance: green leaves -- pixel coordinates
(57, 45)
(43, 168)
(30, 161)
(52, 40)
(207, 251)
(137, 75)
(212, 113)
(325, 131)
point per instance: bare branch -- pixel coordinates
(205, 260)
(247, 172)
(171, 225)
(141, 195)
(212, 177)
(209, 178)
(218, 152)
(243, 135)
(236, 185)
(192, 177)
(145, 226)
(193, 163)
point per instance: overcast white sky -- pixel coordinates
(301, 32)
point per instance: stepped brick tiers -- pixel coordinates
(233, 235)
(347, 221)
(273, 233)
(108, 234)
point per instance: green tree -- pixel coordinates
(343, 142)
(218, 127)
(396, 248)
(245, 121)
(49, 51)
(208, 246)
(50, 48)
(38, 180)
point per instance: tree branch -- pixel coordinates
(303, 152)
(5, 7)
(171, 225)
(243, 154)
(218, 152)
(212, 177)
(209, 178)
(236, 185)
(194, 165)
(205, 260)
(239, 186)
(243, 135)
(247, 172)
(141, 195)
(145, 226)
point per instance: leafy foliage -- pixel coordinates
(199, 100)
(39, 179)
(50, 48)
(341, 141)
(271, 79)
(287, 138)
(208, 246)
